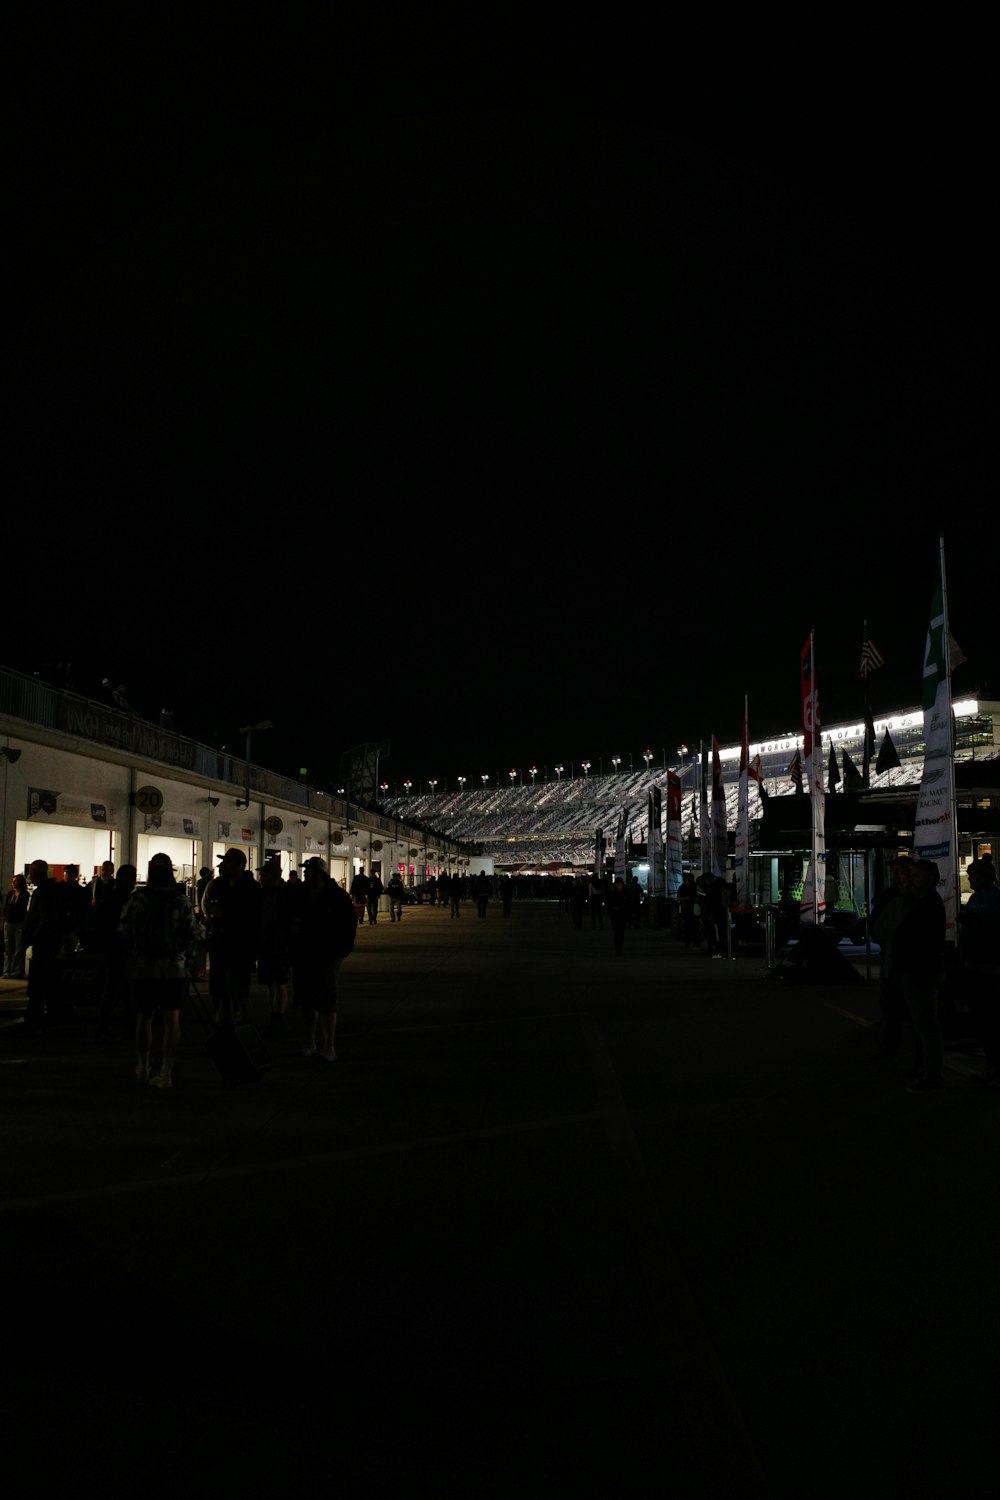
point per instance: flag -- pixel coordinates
(621, 852)
(742, 847)
(706, 827)
(813, 904)
(675, 851)
(956, 655)
(934, 824)
(654, 840)
(599, 847)
(795, 771)
(869, 750)
(719, 843)
(812, 764)
(755, 770)
(887, 757)
(852, 776)
(833, 772)
(871, 656)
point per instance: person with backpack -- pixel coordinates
(158, 935)
(324, 924)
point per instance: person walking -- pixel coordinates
(395, 893)
(375, 890)
(324, 925)
(359, 892)
(483, 886)
(158, 934)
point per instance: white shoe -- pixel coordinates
(308, 1051)
(162, 1081)
(328, 1055)
(141, 1073)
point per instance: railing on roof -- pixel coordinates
(34, 702)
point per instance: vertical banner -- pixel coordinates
(934, 824)
(719, 842)
(675, 853)
(743, 819)
(599, 854)
(621, 866)
(706, 826)
(654, 841)
(813, 907)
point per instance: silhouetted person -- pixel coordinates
(324, 924)
(43, 932)
(917, 963)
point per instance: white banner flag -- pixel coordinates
(934, 824)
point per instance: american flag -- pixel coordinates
(795, 771)
(871, 657)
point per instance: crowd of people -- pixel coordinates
(908, 921)
(155, 939)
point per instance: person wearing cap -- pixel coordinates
(232, 906)
(324, 924)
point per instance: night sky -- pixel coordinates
(512, 399)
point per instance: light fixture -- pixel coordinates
(9, 754)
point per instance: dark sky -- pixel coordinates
(511, 399)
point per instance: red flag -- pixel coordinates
(810, 718)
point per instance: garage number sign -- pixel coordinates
(273, 826)
(149, 800)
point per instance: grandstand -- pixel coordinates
(553, 825)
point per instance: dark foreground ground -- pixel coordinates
(553, 1224)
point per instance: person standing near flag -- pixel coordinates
(888, 910)
(979, 947)
(917, 965)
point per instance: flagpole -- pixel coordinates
(816, 781)
(869, 746)
(956, 883)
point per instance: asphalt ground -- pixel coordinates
(554, 1223)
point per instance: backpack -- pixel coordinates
(156, 935)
